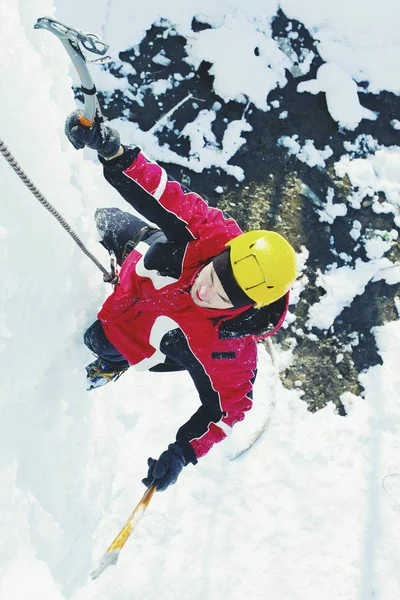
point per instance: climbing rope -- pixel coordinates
(265, 425)
(108, 277)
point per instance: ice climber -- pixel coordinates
(195, 294)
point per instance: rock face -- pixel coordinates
(285, 177)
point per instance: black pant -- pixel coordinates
(95, 339)
(118, 230)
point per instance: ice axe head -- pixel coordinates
(73, 41)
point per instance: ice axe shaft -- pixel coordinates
(72, 39)
(111, 555)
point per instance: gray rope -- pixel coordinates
(263, 428)
(108, 277)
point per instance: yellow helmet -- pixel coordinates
(264, 265)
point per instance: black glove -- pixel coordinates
(102, 138)
(165, 471)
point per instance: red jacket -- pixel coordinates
(150, 317)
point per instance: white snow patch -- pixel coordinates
(362, 143)
(343, 284)
(204, 149)
(355, 231)
(28, 577)
(376, 248)
(362, 37)
(239, 73)
(341, 95)
(378, 172)
(307, 153)
(329, 213)
(306, 58)
(161, 59)
(302, 280)
(107, 82)
(160, 86)
(379, 242)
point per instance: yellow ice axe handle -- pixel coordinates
(133, 520)
(111, 555)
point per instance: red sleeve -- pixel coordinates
(181, 214)
(225, 389)
(193, 212)
(234, 384)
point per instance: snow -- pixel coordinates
(343, 284)
(361, 37)
(161, 59)
(341, 95)
(379, 242)
(376, 248)
(356, 230)
(160, 86)
(362, 144)
(307, 153)
(331, 210)
(306, 503)
(265, 71)
(379, 172)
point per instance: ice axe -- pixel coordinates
(111, 555)
(73, 39)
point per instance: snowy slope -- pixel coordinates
(304, 514)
